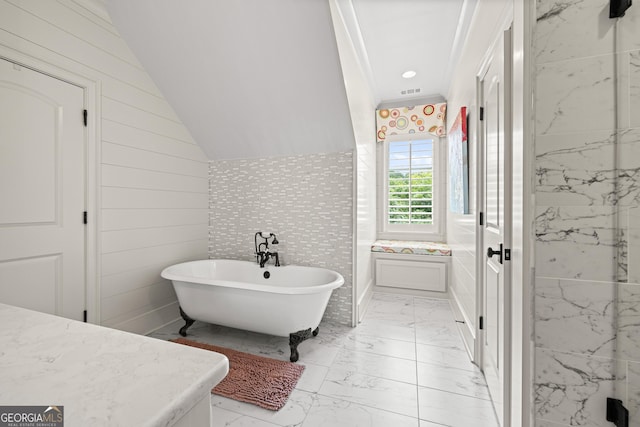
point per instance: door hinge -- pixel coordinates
(617, 413)
(84, 316)
(481, 322)
(507, 254)
(481, 113)
(84, 115)
(481, 219)
(84, 217)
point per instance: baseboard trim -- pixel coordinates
(468, 333)
(365, 299)
(151, 321)
(413, 292)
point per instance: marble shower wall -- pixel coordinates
(306, 200)
(587, 145)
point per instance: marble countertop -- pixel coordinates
(102, 377)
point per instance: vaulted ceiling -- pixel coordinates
(256, 78)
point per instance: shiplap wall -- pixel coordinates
(154, 178)
(362, 106)
(461, 229)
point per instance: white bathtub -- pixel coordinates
(289, 303)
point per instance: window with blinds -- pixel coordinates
(410, 182)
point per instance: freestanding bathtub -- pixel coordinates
(286, 301)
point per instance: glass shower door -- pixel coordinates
(627, 202)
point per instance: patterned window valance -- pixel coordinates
(429, 118)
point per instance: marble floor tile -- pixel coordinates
(455, 410)
(292, 414)
(453, 380)
(382, 329)
(424, 423)
(402, 317)
(405, 359)
(312, 351)
(393, 309)
(223, 418)
(372, 391)
(382, 346)
(332, 335)
(250, 342)
(319, 350)
(312, 377)
(440, 334)
(391, 368)
(441, 356)
(431, 309)
(385, 297)
(331, 412)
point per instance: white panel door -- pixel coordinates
(497, 223)
(42, 192)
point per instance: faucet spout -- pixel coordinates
(264, 257)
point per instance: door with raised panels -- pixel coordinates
(496, 226)
(42, 192)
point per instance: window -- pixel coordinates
(410, 182)
(409, 203)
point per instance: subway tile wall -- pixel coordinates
(306, 200)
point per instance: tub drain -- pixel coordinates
(266, 274)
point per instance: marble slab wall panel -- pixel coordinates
(568, 29)
(633, 390)
(306, 200)
(576, 242)
(629, 30)
(634, 88)
(576, 169)
(546, 423)
(628, 185)
(587, 146)
(629, 218)
(571, 389)
(575, 96)
(629, 323)
(584, 311)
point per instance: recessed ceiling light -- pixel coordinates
(409, 74)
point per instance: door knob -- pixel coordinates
(491, 252)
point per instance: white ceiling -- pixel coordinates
(256, 78)
(420, 35)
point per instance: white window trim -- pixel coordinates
(437, 230)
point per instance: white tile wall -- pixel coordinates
(306, 200)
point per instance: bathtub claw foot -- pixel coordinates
(188, 322)
(296, 338)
